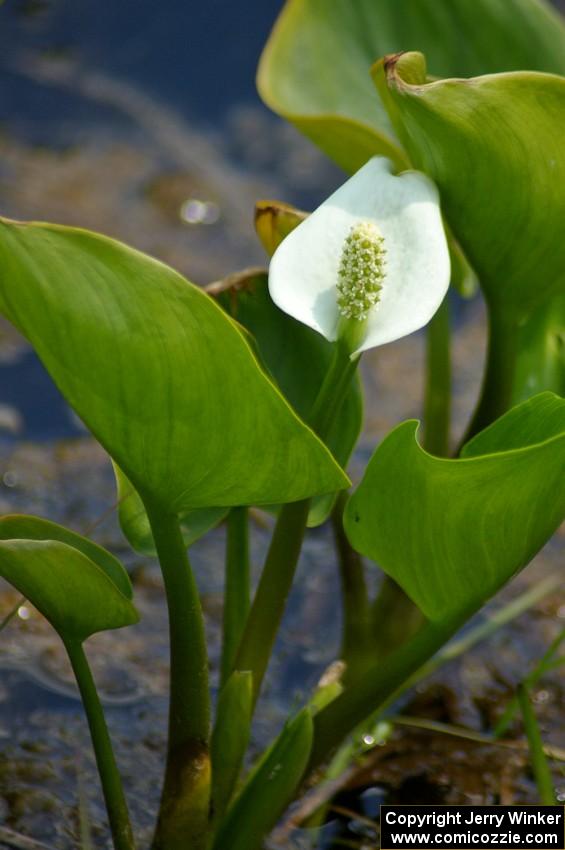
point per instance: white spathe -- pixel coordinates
(304, 269)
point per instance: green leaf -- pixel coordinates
(135, 525)
(540, 419)
(452, 532)
(230, 738)
(315, 67)
(23, 527)
(493, 145)
(298, 358)
(76, 585)
(269, 788)
(161, 376)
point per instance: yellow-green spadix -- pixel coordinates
(374, 254)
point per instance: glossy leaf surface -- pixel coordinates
(134, 521)
(493, 145)
(23, 527)
(298, 358)
(315, 68)
(77, 586)
(162, 377)
(269, 788)
(452, 532)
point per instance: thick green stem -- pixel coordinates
(394, 617)
(333, 390)
(498, 381)
(356, 636)
(114, 797)
(282, 558)
(272, 592)
(437, 399)
(236, 592)
(377, 685)
(183, 814)
(454, 649)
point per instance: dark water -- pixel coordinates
(43, 413)
(198, 56)
(197, 59)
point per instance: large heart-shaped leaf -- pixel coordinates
(78, 586)
(163, 378)
(298, 358)
(451, 532)
(493, 145)
(314, 70)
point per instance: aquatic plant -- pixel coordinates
(203, 416)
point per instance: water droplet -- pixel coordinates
(10, 479)
(195, 211)
(24, 613)
(541, 696)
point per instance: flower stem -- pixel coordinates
(282, 558)
(437, 400)
(333, 390)
(114, 797)
(236, 593)
(184, 809)
(498, 381)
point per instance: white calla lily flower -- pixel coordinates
(371, 264)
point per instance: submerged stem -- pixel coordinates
(112, 788)
(183, 813)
